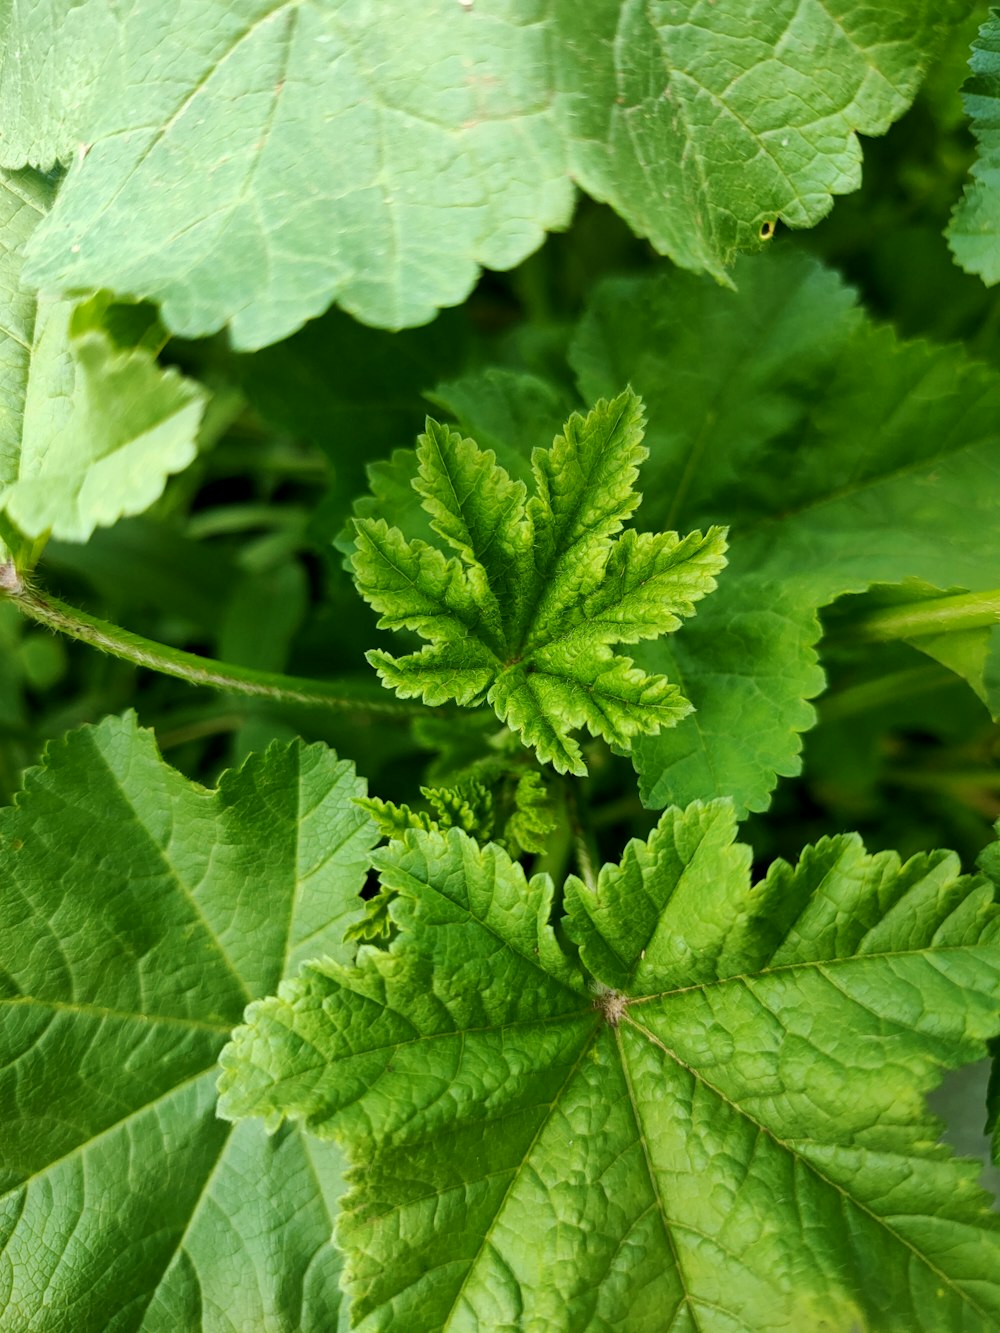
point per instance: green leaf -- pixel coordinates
(297, 154)
(712, 120)
(524, 616)
(838, 455)
(468, 806)
(533, 819)
(89, 431)
(710, 1117)
(471, 806)
(247, 166)
(974, 230)
(142, 913)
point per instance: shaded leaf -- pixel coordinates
(974, 230)
(839, 456)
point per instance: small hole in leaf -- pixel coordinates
(372, 887)
(766, 230)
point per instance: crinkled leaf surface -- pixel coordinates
(709, 1117)
(974, 231)
(512, 412)
(888, 455)
(525, 616)
(141, 914)
(89, 431)
(247, 164)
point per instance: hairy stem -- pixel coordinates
(933, 615)
(362, 695)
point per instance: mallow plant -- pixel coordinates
(433, 744)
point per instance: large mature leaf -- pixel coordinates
(89, 431)
(140, 914)
(710, 1118)
(886, 453)
(974, 231)
(525, 617)
(247, 164)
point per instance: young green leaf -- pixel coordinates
(525, 616)
(140, 914)
(709, 1115)
(533, 818)
(529, 814)
(974, 231)
(468, 807)
(89, 431)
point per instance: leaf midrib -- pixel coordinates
(124, 1015)
(817, 964)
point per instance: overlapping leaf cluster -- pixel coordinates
(525, 616)
(285, 153)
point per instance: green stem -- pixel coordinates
(854, 699)
(362, 695)
(933, 615)
(215, 725)
(584, 843)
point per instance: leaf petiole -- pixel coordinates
(934, 615)
(362, 695)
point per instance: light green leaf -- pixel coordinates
(709, 1118)
(886, 453)
(974, 230)
(414, 586)
(89, 431)
(511, 412)
(541, 588)
(296, 153)
(715, 118)
(533, 820)
(282, 154)
(507, 804)
(507, 412)
(468, 806)
(479, 511)
(141, 914)
(459, 671)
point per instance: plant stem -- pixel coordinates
(932, 615)
(584, 842)
(362, 695)
(890, 688)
